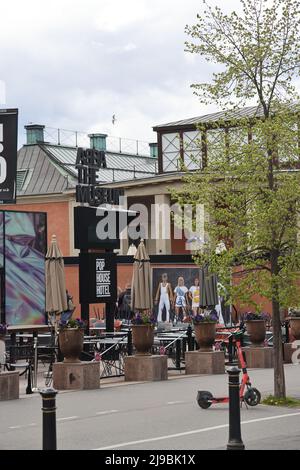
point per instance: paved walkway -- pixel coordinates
(157, 415)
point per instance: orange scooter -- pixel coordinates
(248, 394)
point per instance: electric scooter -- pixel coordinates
(248, 394)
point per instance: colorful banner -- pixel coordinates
(24, 266)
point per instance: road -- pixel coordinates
(153, 416)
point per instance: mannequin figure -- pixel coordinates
(194, 294)
(180, 292)
(164, 297)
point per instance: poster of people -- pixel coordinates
(176, 292)
(176, 295)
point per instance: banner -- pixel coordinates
(23, 253)
(8, 155)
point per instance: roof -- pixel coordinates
(149, 179)
(42, 176)
(249, 112)
(47, 168)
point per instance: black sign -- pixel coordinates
(86, 220)
(88, 163)
(8, 155)
(96, 196)
(97, 278)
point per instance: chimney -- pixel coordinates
(98, 141)
(154, 150)
(34, 133)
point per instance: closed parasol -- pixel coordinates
(141, 288)
(56, 298)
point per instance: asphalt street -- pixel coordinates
(154, 416)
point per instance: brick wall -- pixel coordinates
(57, 220)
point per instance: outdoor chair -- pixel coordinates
(10, 360)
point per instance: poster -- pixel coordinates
(172, 274)
(23, 256)
(188, 274)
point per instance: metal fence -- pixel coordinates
(71, 138)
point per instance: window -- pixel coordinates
(192, 150)
(21, 178)
(171, 152)
(216, 146)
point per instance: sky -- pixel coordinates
(73, 64)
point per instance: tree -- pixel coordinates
(250, 182)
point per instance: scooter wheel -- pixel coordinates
(252, 397)
(204, 399)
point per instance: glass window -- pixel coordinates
(192, 150)
(216, 148)
(238, 136)
(171, 161)
(170, 143)
(171, 151)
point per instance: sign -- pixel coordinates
(88, 163)
(8, 155)
(96, 196)
(97, 278)
(86, 220)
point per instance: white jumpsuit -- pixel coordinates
(164, 301)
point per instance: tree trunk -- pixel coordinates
(279, 379)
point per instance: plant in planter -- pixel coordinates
(71, 335)
(205, 329)
(256, 327)
(294, 317)
(143, 333)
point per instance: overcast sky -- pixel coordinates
(74, 63)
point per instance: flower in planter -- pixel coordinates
(143, 319)
(3, 329)
(255, 316)
(78, 324)
(207, 317)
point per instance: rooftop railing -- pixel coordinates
(65, 137)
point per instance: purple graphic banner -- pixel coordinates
(23, 258)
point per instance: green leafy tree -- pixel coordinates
(250, 183)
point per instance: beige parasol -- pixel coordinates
(141, 288)
(56, 297)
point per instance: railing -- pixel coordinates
(71, 138)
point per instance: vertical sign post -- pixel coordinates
(98, 277)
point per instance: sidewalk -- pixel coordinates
(108, 382)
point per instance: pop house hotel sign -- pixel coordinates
(103, 279)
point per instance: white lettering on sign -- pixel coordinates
(100, 264)
(103, 291)
(103, 279)
(3, 164)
